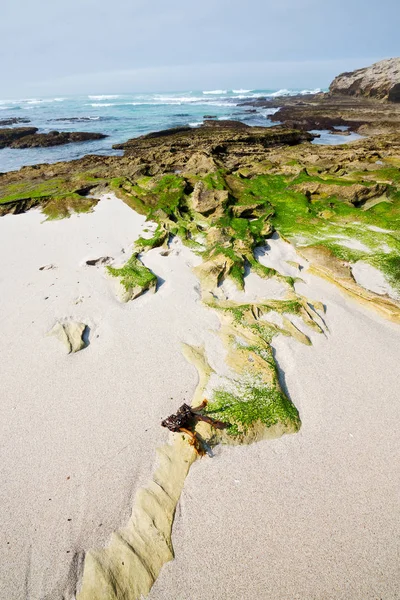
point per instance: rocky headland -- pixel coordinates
(381, 81)
(363, 101)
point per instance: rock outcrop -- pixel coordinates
(207, 201)
(8, 137)
(381, 81)
(27, 137)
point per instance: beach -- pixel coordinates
(79, 431)
(311, 515)
(307, 515)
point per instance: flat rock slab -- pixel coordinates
(70, 334)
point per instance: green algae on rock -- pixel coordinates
(134, 279)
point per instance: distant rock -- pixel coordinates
(225, 123)
(380, 81)
(55, 138)
(70, 334)
(74, 119)
(13, 121)
(27, 137)
(9, 136)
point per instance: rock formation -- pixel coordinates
(27, 137)
(8, 137)
(381, 81)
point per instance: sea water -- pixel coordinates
(124, 116)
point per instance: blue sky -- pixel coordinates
(88, 46)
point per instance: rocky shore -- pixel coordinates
(364, 101)
(262, 233)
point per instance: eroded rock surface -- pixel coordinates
(380, 80)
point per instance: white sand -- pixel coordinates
(312, 515)
(372, 279)
(309, 516)
(79, 432)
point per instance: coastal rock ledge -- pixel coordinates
(380, 81)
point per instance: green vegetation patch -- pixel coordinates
(252, 402)
(62, 207)
(134, 274)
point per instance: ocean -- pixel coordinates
(124, 116)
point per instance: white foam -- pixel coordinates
(196, 124)
(104, 97)
(305, 92)
(43, 100)
(283, 92)
(216, 92)
(268, 111)
(96, 104)
(241, 91)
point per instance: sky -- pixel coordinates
(104, 46)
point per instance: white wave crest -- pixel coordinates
(42, 101)
(161, 99)
(282, 92)
(196, 124)
(285, 92)
(268, 111)
(216, 92)
(241, 91)
(104, 97)
(97, 104)
(316, 91)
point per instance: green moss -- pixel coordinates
(134, 274)
(240, 227)
(389, 264)
(63, 207)
(169, 192)
(159, 237)
(215, 181)
(56, 187)
(249, 404)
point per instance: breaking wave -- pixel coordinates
(104, 97)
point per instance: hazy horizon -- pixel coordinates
(90, 46)
(278, 75)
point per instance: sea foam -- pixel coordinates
(104, 97)
(216, 92)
